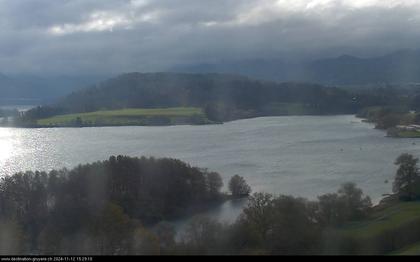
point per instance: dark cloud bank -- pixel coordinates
(44, 37)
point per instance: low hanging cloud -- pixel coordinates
(113, 36)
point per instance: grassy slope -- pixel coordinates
(412, 250)
(388, 229)
(132, 116)
(384, 219)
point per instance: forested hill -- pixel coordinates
(218, 98)
(217, 92)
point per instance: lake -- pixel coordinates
(298, 155)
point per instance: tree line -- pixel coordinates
(222, 97)
(121, 207)
(288, 225)
(102, 203)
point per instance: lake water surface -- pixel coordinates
(299, 155)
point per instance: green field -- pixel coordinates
(129, 117)
(384, 219)
(412, 250)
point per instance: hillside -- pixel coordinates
(228, 93)
(402, 67)
(398, 67)
(389, 229)
(221, 97)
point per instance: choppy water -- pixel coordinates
(299, 155)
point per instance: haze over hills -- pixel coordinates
(400, 67)
(27, 89)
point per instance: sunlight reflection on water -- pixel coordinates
(6, 146)
(301, 156)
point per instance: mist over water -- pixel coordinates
(298, 155)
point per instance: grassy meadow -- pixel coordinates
(129, 116)
(390, 229)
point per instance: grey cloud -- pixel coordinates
(112, 36)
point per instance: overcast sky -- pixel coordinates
(113, 36)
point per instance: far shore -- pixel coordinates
(185, 123)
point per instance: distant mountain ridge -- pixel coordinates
(400, 67)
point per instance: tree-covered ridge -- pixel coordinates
(225, 92)
(222, 97)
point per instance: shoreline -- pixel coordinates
(393, 132)
(175, 124)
